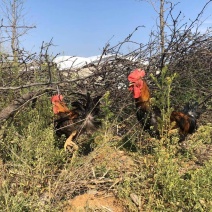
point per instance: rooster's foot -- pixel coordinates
(69, 144)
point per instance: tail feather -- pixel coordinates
(78, 105)
(192, 109)
(88, 109)
(87, 103)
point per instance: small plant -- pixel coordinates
(163, 96)
(31, 160)
(105, 108)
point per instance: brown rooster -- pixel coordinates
(186, 120)
(147, 114)
(82, 118)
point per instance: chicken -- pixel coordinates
(82, 118)
(148, 115)
(186, 120)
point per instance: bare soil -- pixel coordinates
(94, 202)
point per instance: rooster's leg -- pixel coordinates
(69, 144)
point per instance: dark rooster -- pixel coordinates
(81, 119)
(186, 120)
(147, 114)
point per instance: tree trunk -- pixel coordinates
(14, 39)
(162, 25)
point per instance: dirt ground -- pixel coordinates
(94, 202)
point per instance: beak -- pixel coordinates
(131, 84)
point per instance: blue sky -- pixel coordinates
(83, 27)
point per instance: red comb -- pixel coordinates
(57, 98)
(136, 75)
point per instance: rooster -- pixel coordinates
(186, 120)
(82, 118)
(148, 115)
